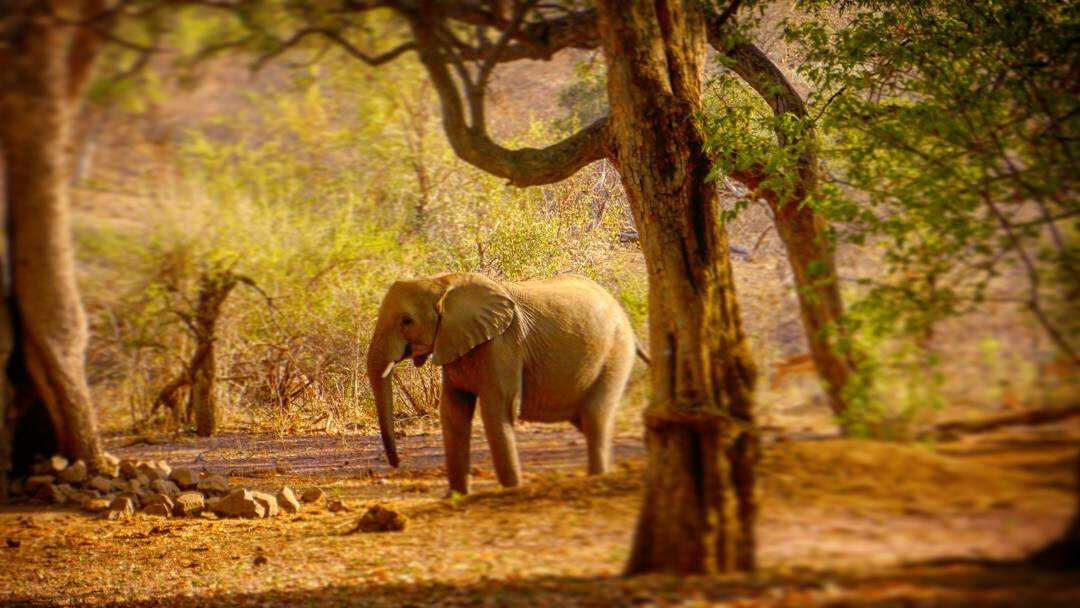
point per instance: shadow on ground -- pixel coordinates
(939, 584)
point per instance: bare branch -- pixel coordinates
(337, 38)
(85, 44)
(522, 167)
(500, 45)
(210, 50)
(538, 39)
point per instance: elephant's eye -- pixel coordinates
(406, 321)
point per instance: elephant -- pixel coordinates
(547, 350)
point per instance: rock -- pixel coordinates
(17, 487)
(121, 507)
(134, 487)
(336, 505)
(286, 499)
(51, 494)
(381, 519)
(268, 501)
(101, 484)
(238, 503)
(96, 505)
(157, 509)
(36, 482)
(214, 484)
(260, 560)
(14, 543)
(76, 473)
(186, 479)
(312, 495)
(129, 468)
(189, 504)
(158, 499)
(165, 487)
(72, 495)
(133, 497)
(154, 470)
(110, 467)
(143, 480)
(52, 466)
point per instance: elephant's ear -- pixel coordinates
(471, 313)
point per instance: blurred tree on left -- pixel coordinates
(47, 52)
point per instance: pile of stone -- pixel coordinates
(152, 487)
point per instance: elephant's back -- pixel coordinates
(577, 304)
(574, 329)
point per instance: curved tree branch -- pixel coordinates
(522, 167)
(533, 40)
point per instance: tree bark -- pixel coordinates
(699, 507)
(45, 330)
(214, 287)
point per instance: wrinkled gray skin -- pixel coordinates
(550, 350)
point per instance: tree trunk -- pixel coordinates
(214, 287)
(201, 400)
(801, 229)
(814, 268)
(47, 326)
(698, 514)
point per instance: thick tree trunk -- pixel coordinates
(698, 514)
(44, 319)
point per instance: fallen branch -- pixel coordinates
(949, 430)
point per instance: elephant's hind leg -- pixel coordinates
(598, 414)
(598, 429)
(456, 412)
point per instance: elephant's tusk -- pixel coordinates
(389, 368)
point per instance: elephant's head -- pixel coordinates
(442, 317)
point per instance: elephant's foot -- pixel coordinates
(510, 478)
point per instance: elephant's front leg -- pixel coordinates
(456, 410)
(497, 407)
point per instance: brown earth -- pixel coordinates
(844, 522)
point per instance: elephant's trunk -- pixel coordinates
(382, 355)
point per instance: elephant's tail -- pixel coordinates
(644, 356)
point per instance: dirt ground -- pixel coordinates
(844, 522)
